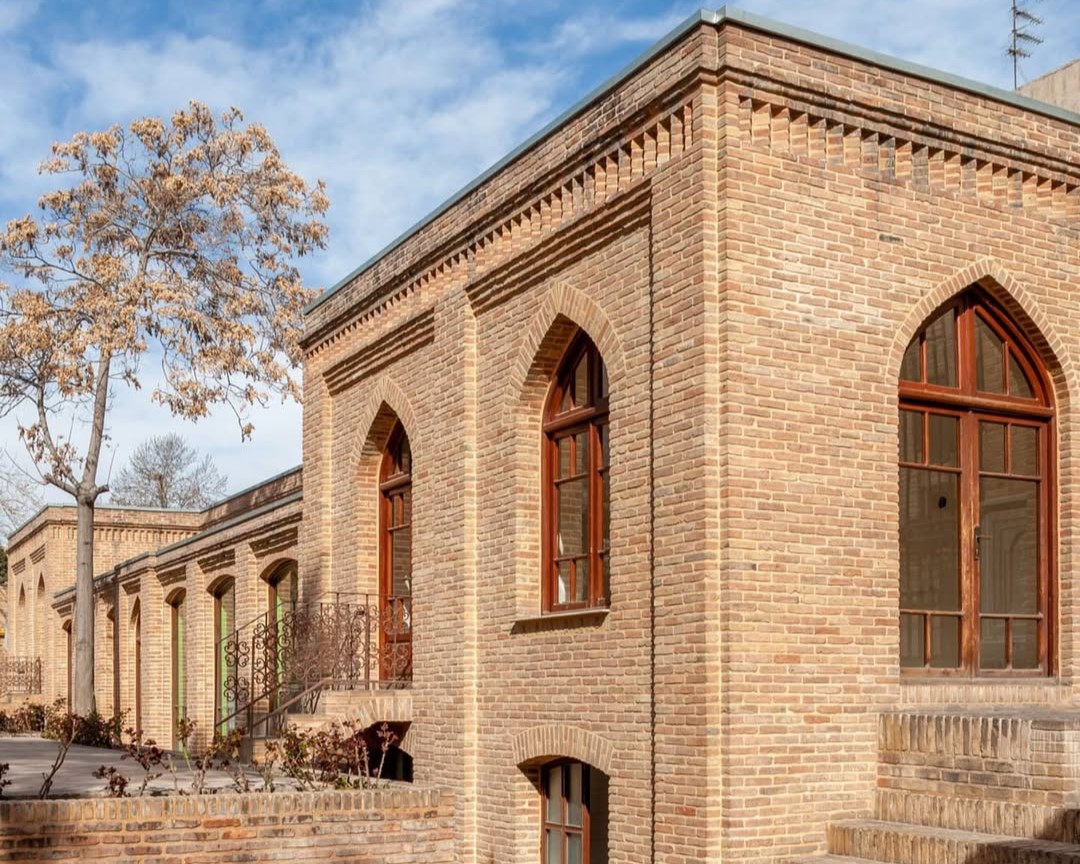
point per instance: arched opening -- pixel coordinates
(225, 671)
(573, 813)
(70, 653)
(39, 618)
(136, 635)
(395, 558)
(576, 496)
(977, 500)
(282, 596)
(177, 602)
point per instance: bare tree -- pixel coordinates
(176, 237)
(20, 495)
(165, 471)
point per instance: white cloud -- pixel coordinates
(398, 105)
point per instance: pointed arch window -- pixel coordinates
(976, 496)
(395, 558)
(576, 487)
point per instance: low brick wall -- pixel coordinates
(383, 827)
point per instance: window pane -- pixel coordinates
(603, 379)
(1018, 381)
(941, 350)
(564, 456)
(929, 540)
(1025, 450)
(909, 368)
(581, 576)
(573, 849)
(581, 383)
(605, 503)
(573, 795)
(912, 639)
(605, 445)
(1025, 635)
(944, 642)
(992, 643)
(581, 442)
(562, 587)
(405, 458)
(911, 437)
(401, 562)
(573, 506)
(943, 440)
(992, 447)
(554, 847)
(554, 795)
(989, 374)
(1008, 545)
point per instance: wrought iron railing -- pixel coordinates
(20, 675)
(283, 660)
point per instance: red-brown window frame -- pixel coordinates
(559, 425)
(585, 830)
(395, 611)
(972, 406)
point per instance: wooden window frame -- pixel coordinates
(178, 661)
(221, 661)
(585, 830)
(971, 407)
(557, 425)
(395, 611)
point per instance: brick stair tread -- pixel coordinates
(958, 835)
(827, 858)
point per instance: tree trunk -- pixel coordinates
(83, 699)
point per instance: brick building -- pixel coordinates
(615, 437)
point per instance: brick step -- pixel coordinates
(899, 843)
(1008, 818)
(829, 859)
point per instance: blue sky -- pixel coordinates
(394, 103)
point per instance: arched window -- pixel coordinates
(136, 632)
(575, 478)
(976, 502)
(395, 557)
(574, 814)
(178, 627)
(225, 672)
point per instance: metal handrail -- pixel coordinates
(310, 648)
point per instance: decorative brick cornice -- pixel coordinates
(274, 543)
(38, 555)
(398, 343)
(927, 157)
(217, 560)
(554, 203)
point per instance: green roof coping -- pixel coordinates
(720, 16)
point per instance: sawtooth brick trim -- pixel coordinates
(541, 743)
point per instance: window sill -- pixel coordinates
(569, 618)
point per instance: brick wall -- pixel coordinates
(360, 827)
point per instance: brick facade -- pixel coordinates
(358, 827)
(750, 225)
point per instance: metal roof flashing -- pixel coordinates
(717, 18)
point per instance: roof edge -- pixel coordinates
(721, 16)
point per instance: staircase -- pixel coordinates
(322, 661)
(970, 786)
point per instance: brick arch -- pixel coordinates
(1017, 300)
(564, 305)
(562, 311)
(542, 743)
(384, 396)
(278, 562)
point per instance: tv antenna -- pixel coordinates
(1022, 39)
